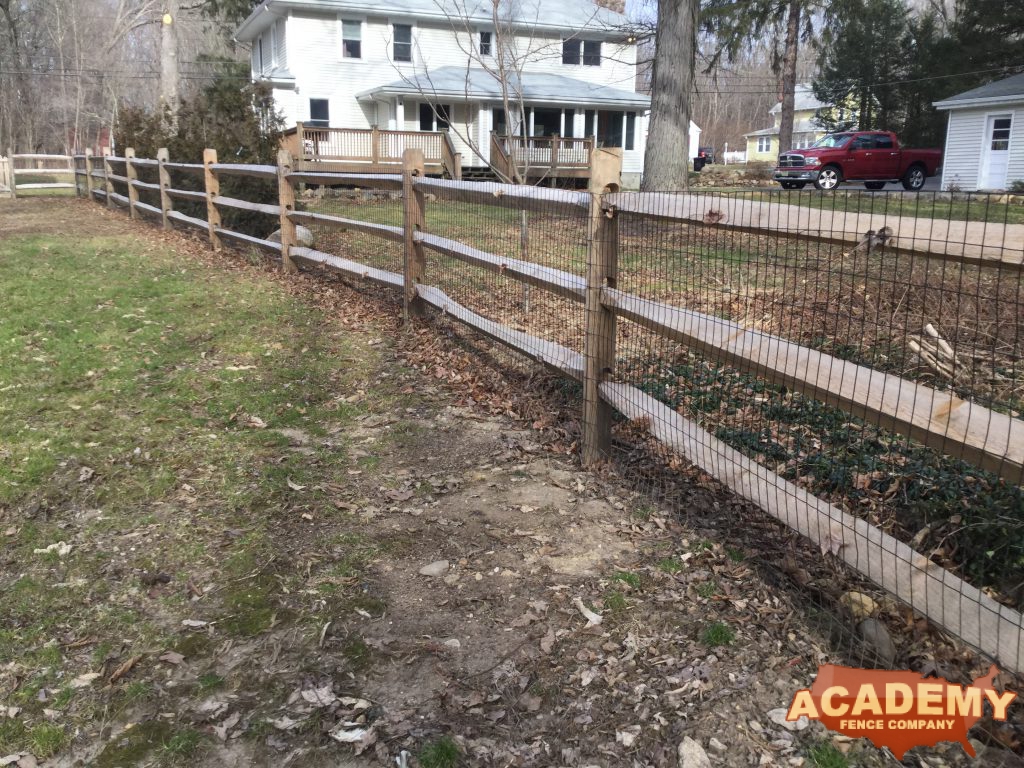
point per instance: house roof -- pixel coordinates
(1008, 89)
(800, 126)
(555, 15)
(466, 83)
(803, 99)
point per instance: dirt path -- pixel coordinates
(453, 586)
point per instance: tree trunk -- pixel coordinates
(789, 76)
(667, 156)
(169, 64)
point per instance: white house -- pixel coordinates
(985, 136)
(429, 65)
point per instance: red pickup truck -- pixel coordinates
(874, 157)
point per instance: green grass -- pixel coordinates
(707, 589)
(924, 205)
(670, 565)
(130, 375)
(825, 755)
(440, 753)
(631, 579)
(718, 634)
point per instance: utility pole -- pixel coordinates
(169, 64)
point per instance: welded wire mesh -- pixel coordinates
(849, 363)
(554, 239)
(357, 203)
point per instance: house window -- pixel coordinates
(571, 51)
(403, 42)
(435, 117)
(547, 122)
(319, 113)
(609, 128)
(260, 46)
(592, 53)
(630, 130)
(485, 43)
(1001, 133)
(764, 143)
(352, 39)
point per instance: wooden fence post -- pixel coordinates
(88, 174)
(132, 175)
(413, 221)
(13, 174)
(108, 184)
(166, 206)
(602, 269)
(374, 147)
(212, 191)
(286, 200)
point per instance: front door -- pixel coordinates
(996, 152)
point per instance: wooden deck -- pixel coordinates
(372, 150)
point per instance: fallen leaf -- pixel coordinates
(172, 657)
(592, 618)
(295, 486)
(525, 620)
(85, 474)
(228, 723)
(284, 723)
(194, 623)
(399, 495)
(548, 641)
(124, 669)
(627, 736)
(84, 680)
(320, 697)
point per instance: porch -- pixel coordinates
(374, 150)
(370, 150)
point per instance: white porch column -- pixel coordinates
(529, 131)
(578, 126)
(483, 124)
(561, 122)
(399, 114)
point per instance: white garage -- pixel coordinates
(985, 137)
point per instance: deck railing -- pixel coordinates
(373, 147)
(547, 155)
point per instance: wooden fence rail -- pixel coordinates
(964, 429)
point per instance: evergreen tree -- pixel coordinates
(864, 59)
(736, 23)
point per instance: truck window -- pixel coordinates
(863, 142)
(883, 142)
(833, 141)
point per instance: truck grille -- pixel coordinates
(791, 161)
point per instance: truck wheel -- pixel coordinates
(914, 178)
(829, 178)
(874, 185)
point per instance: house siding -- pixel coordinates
(965, 140)
(321, 72)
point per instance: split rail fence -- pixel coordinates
(625, 316)
(36, 172)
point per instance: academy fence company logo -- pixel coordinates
(898, 710)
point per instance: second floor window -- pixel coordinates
(352, 39)
(485, 43)
(403, 42)
(586, 52)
